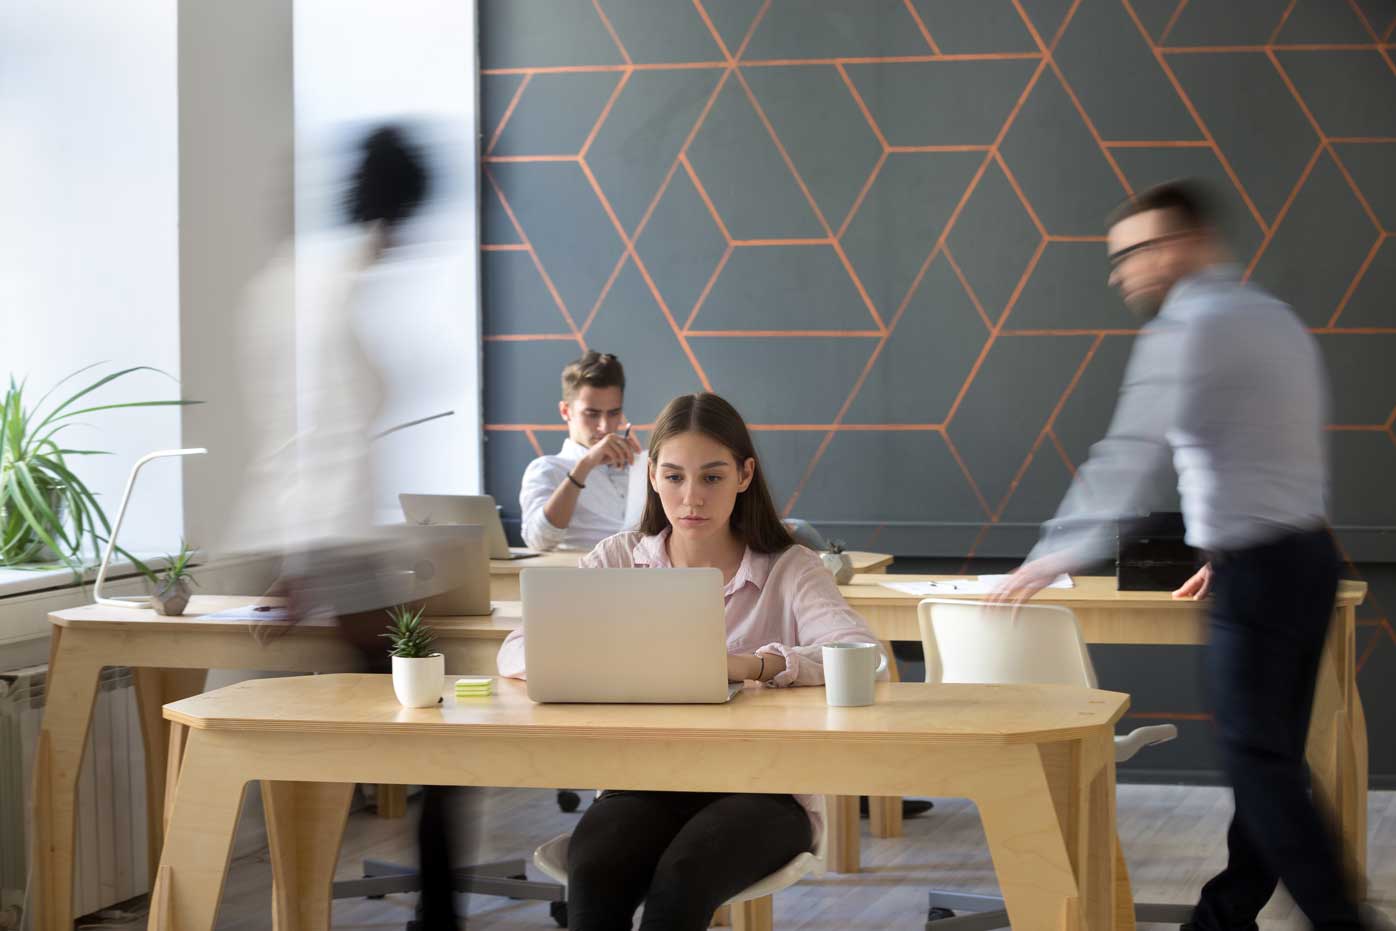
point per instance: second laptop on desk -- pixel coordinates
(625, 637)
(480, 510)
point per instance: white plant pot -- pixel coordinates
(418, 682)
(840, 566)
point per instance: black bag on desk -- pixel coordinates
(1152, 556)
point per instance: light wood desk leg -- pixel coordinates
(161, 900)
(72, 689)
(390, 801)
(156, 688)
(194, 862)
(305, 825)
(753, 915)
(885, 811)
(1124, 893)
(1099, 857)
(885, 816)
(1044, 815)
(1337, 746)
(841, 821)
(179, 737)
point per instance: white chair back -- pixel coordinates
(982, 642)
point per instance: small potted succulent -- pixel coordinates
(418, 671)
(838, 562)
(171, 584)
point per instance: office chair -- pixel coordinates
(981, 642)
(503, 878)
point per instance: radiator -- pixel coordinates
(111, 826)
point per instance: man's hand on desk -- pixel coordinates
(1029, 579)
(1198, 586)
(283, 591)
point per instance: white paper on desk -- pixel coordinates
(984, 585)
(927, 589)
(636, 492)
(251, 613)
(1061, 581)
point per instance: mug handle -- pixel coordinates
(881, 663)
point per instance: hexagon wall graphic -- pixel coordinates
(877, 225)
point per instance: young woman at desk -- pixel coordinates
(682, 854)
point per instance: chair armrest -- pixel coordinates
(1139, 738)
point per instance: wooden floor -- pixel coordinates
(1173, 838)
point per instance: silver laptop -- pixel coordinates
(625, 636)
(463, 509)
(450, 570)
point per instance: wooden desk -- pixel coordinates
(170, 656)
(504, 573)
(1337, 749)
(1038, 760)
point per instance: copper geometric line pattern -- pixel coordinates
(731, 66)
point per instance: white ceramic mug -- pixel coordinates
(850, 669)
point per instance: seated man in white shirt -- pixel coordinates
(576, 499)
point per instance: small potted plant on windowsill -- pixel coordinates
(171, 584)
(838, 562)
(418, 672)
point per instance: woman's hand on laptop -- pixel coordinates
(743, 667)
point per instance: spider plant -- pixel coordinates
(47, 513)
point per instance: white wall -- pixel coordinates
(146, 177)
(236, 146)
(88, 250)
(359, 63)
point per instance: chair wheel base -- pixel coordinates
(568, 800)
(936, 914)
(559, 912)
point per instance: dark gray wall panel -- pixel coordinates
(890, 223)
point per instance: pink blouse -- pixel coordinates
(785, 603)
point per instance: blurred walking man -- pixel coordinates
(1226, 379)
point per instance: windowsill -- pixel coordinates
(15, 582)
(28, 597)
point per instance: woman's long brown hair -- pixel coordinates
(754, 518)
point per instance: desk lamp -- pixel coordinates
(131, 601)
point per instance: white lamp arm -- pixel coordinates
(136, 601)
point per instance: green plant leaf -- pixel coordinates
(35, 525)
(79, 487)
(53, 415)
(125, 404)
(40, 497)
(69, 377)
(38, 500)
(410, 638)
